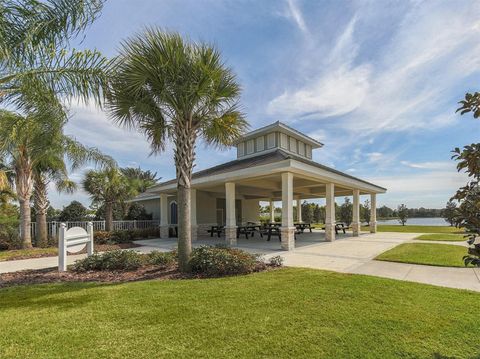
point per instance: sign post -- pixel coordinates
(73, 240)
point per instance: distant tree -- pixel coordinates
(118, 213)
(384, 212)
(319, 214)
(450, 212)
(346, 211)
(307, 212)
(138, 212)
(75, 211)
(402, 213)
(365, 211)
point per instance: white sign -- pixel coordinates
(73, 240)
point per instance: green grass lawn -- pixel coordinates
(415, 229)
(287, 313)
(32, 253)
(445, 255)
(442, 237)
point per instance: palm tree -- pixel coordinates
(22, 144)
(171, 89)
(31, 144)
(140, 178)
(53, 169)
(35, 55)
(108, 187)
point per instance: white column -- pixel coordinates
(163, 215)
(373, 213)
(231, 222)
(299, 209)
(330, 212)
(272, 211)
(356, 213)
(287, 230)
(193, 214)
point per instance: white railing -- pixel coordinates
(53, 227)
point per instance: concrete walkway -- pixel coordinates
(346, 255)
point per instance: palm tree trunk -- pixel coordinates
(24, 187)
(41, 204)
(25, 222)
(108, 216)
(184, 158)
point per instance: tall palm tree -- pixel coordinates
(108, 187)
(172, 89)
(29, 143)
(52, 168)
(23, 141)
(35, 54)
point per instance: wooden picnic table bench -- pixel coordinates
(340, 227)
(301, 227)
(216, 230)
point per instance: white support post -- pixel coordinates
(299, 209)
(231, 221)
(90, 236)
(356, 213)
(330, 212)
(193, 214)
(163, 215)
(287, 230)
(373, 213)
(62, 249)
(272, 211)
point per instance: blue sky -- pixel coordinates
(376, 81)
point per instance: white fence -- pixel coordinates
(53, 227)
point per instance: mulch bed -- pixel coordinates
(97, 248)
(52, 275)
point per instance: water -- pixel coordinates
(436, 221)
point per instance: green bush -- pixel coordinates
(276, 261)
(114, 260)
(9, 238)
(125, 236)
(162, 259)
(217, 261)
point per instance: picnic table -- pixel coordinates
(301, 227)
(340, 227)
(218, 230)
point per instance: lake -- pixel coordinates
(436, 221)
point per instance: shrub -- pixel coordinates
(9, 238)
(102, 237)
(114, 260)
(162, 259)
(125, 236)
(215, 261)
(276, 261)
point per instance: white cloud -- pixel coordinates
(403, 85)
(435, 165)
(339, 88)
(296, 15)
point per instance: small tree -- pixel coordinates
(450, 212)
(75, 211)
(365, 209)
(402, 213)
(307, 212)
(346, 212)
